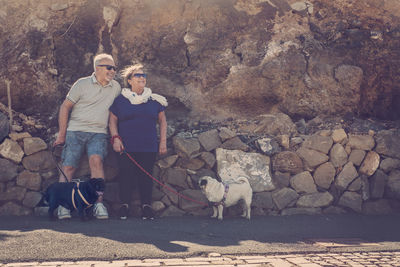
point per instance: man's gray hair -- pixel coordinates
(100, 57)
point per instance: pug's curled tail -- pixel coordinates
(242, 180)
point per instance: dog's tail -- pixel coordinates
(242, 180)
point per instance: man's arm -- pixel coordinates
(63, 116)
(117, 144)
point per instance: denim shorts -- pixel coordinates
(76, 142)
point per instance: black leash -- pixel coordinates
(54, 159)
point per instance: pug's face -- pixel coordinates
(99, 185)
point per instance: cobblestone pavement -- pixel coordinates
(381, 259)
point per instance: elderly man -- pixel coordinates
(83, 120)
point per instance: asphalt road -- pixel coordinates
(38, 239)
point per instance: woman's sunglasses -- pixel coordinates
(108, 67)
(138, 75)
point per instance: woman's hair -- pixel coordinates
(128, 71)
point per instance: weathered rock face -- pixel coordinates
(221, 59)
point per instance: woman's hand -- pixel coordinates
(118, 146)
(162, 150)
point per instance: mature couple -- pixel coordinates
(95, 102)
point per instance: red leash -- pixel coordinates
(163, 185)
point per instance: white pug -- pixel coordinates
(227, 194)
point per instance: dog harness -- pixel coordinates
(222, 202)
(80, 194)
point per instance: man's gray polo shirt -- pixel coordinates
(92, 100)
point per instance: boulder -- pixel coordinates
(193, 200)
(303, 183)
(208, 158)
(32, 199)
(11, 208)
(377, 184)
(167, 162)
(226, 133)
(370, 163)
(275, 124)
(363, 142)
(191, 164)
(176, 176)
(287, 161)
(389, 164)
(263, 200)
(346, 176)
(324, 175)
(186, 147)
(392, 189)
(338, 135)
(232, 164)
(357, 156)
(338, 156)
(39, 161)
(319, 143)
(315, 200)
(29, 180)
(284, 197)
(377, 207)
(268, 146)
(9, 170)
(235, 144)
(10, 149)
(387, 143)
(210, 140)
(351, 200)
(33, 145)
(312, 158)
(13, 193)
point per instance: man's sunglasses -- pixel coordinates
(108, 67)
(138, 75)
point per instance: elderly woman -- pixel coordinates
(133, 118)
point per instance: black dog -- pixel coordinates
(73, 195)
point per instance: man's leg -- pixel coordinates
(97, 151)
(70, 157)
(69, 173)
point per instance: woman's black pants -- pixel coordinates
(131, 176)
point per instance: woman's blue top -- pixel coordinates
(137, 124)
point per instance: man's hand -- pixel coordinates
(60, 140)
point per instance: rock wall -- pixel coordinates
(216, 59)
(329, 171)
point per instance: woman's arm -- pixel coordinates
(117, 144)
(162, 120)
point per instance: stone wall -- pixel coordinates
(217, 58)
(329, 171)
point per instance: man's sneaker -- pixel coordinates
(100, 211)
(123, 212)
(63, 213)
(147, 212)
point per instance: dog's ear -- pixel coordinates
(203, 182)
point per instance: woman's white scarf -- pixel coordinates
(147, 94)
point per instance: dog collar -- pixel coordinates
(81, 196)
(222, 202)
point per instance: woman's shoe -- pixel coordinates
(123, 211)
(147, 212)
